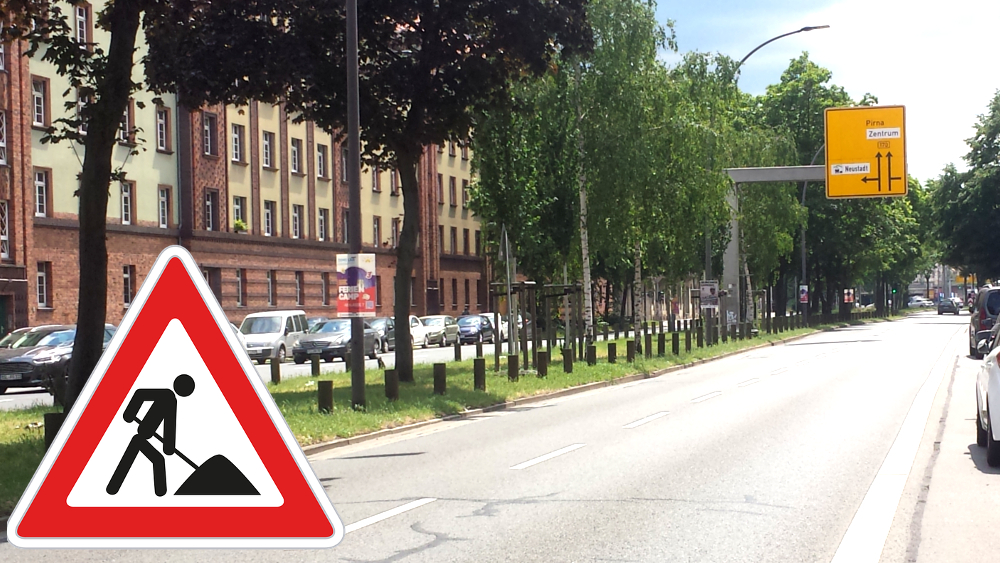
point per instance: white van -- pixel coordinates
(272, 334)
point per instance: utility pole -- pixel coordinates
(354, 198)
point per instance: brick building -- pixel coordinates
(260, 201)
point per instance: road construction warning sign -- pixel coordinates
(174, 441)
(865, 152)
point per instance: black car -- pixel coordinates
(42, 363)
(475, 328)
(385, 333)
(332, 339)
(984, 316)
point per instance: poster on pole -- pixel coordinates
(356, 285)
(709, 294)
(804, 294)
(848, 296)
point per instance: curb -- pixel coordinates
(341, 442)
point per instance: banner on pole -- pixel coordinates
(356, 285)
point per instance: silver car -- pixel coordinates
(441, 329)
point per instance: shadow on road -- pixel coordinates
(978, 456)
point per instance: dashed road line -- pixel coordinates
(711, 395)
(749, 382)
(546, 457)
(387, 514)
(779, 371)
(642, 421)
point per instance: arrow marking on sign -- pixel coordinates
(888, 157)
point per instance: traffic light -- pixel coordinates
(894, 291)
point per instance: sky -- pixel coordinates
(937, 58)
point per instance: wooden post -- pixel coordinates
(661, 344)
(479, 349)
(440, 374)
(630, 350)
(687, 339)
(536, 338)
(314, 359)
(543, 363)
(612, 352)
(591, 354)
(391, 385)
(275, 371)
(701, 335)
(458, 347)
(479, 374)
(324, 392)
(497, 341)
(512, 368)
(648, 352)
(675, 343)
(567, 354)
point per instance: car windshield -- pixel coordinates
(993, 303)
(10, 339)
(469, 321)
(31, 339)
(339, 325)
(57, 338)
(261, 325)
(434, 322)
(378, 323)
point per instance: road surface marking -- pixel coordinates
(6, 400)
(711, 395)
(749, 382)
(865, 537)
(387, 514)
(779, 371)
(548, 456)
(642, 421)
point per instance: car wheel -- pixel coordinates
(373, 355)
(281, 355)
(427, 341)
(980, 431)
(444, 340)
(299, 359)
(992, 446)
(385, 346)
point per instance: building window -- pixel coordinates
(451, 148)
(326, 288)
(127, 201)
(395, 232)
(454, 293)
(3, 57)
(239, 209)
(299, 288)
(3, 137)
(441, 293)
(479, 294)
(269, 213)
(4, 231)
(343, 164)
(296, 156)
(454, 240)
(393, 182)
(440, 239)
(465, 193)
(82, 26)
(39, 102)
(164, 207)
(44, 285)
(126, 128)
(297, 221)
(163, 129)
(324, 220)
(272, 298)
(241, 288)
(267, 150)
(467, 293)
(321, 152)
(413, 292)
(128, 284)
(41, 193)
(453, 191)
(377, 231)
(378, 291)
(465, 151)
(238, 136)
(465, 241)
(209, 126)
(440, 190)
(345, 217)
(376, 179)
(211, 210)
(479, 244)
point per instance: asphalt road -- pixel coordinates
(790, 453)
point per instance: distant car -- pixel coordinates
(475, 328)
(420, 334)
(313, 321)
(919, 302)
(442, 329)
(271, 334)
(385, 333)
(949, 306)
(44, 362)
(984, 316)
(332, 339)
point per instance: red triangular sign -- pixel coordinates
(175, 441)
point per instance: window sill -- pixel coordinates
(240, 162)
(269, 168)
(40, 127)
(128, 144)
(164, 151)
(323, 178)
(45, 309)
(298, 174)
(211, 156)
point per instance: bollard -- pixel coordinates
(661, 344)
(458, 349)
(715, 335)
(275, 371)
(648, 352)
(612, 352)
(630, 350)
(324, 395)
(725, 333)
(479, 349)
(605, 333)
(616, 330)
(675, 343)
(687, 339)
(512, 369)
(591, 354)
(567, 360)
(314, 359)
(543, 363)
(391, 385)
(440, 382)
(479, 374)
(701, 336)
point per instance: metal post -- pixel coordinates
(354, 196)
(497, 341)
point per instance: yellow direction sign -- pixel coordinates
(866, 152)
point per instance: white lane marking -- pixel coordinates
(865, 537)
(749, 382)
(642, 421)
(779, 371)
(548, 456)
(711, 395)
(6, 400)
(387, 514)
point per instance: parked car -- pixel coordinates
(988, 389)
(313, 321)
(13, 337)
(951, 305)
(984, 316)
(420, 334)
(444, 329)
(332, 339)
(45, 362)
(239, 336)
(272, 334)
(917, 301)
(385, 333)
(475, 328)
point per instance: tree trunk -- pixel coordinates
(113, 91)
(588, 298)
(405, 253)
